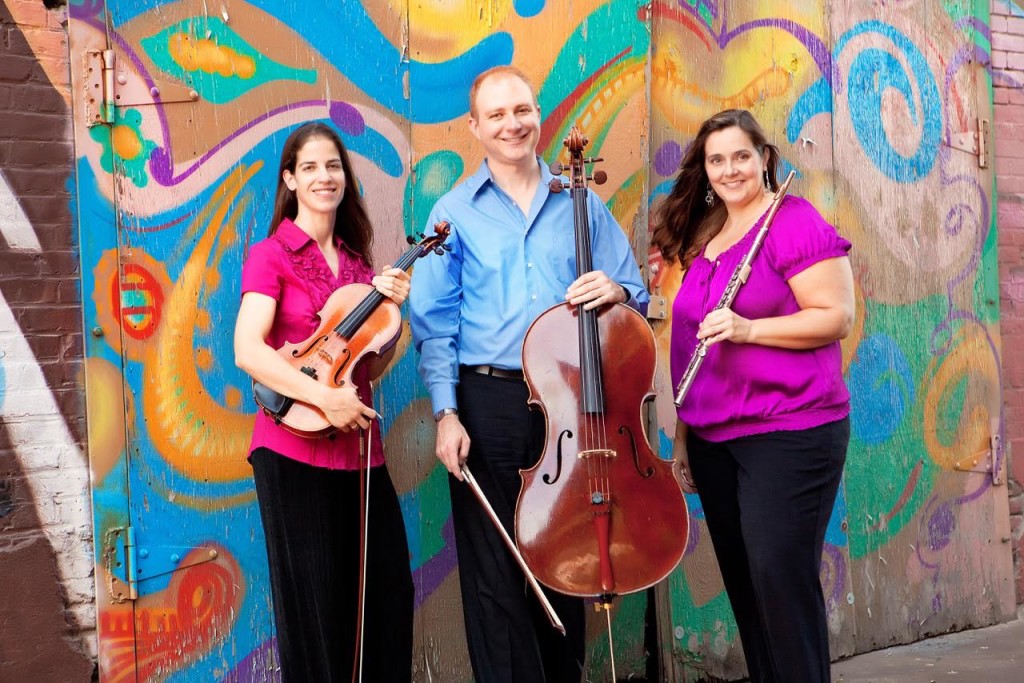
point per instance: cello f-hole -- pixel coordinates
(566, 434)
(649, 472)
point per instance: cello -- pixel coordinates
(599, 514)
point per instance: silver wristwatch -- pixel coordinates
(444, 411)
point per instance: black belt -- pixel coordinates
(495, 372)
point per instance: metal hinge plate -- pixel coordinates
(127, 564)
(106, 87)
(97, 100)
(990, 460)
(973, 141)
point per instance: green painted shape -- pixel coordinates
(434, 175)
(435, 504)
(597, 137)
(134, 169)
(620, 31)
(627, 631)
(712, 621)
(214, 87)
(876, 475)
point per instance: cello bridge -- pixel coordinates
(606, 453)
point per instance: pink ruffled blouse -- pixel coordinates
(290, 268)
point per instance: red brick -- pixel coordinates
(30, 98)
(1015, 26)
(1008, 183)
(1015, 61)
(39, 181)
(1007, 147)
(34, 126)
(47, 319)
(60, 263)
(1009, 254)
(28, 12)
(69, 291)
(29, 291)
(1010, 43)
(43, 211)
(45, 153)
(16, 68)
(1009, 113)
(18, 264)
(1015, 465)
(46, 43)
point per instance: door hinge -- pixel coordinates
(127, 563)
(106, 87)
(990, 460)
(98, 99)
(118, 563)
(973, 141)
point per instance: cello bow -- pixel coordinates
(530, 578)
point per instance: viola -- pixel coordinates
(357, 323)
(600, 514)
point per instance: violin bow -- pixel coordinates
(530, 578)
(364, 530)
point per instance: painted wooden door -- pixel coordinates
(876, 106)
(187, 107)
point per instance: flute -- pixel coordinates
(739, 277)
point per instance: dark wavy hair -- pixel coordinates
(351, 223)
(685, 223)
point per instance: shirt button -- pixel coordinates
(529, 265)
(534, 297)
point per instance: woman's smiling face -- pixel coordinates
(734, 166)
(319, 178)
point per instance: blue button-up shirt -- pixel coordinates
(473, 305)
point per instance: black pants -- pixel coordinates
(311, 523)
(767, 502)
(510, 639)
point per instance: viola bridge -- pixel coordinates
(597, 453)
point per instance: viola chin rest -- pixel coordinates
(274, 403)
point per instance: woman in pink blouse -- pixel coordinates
(308, 489)
(762, 434)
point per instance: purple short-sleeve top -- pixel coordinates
(747, 389)
(289, 267)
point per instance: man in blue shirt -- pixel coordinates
(512, 257)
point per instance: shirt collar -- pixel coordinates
(483, 176)
(295, 238)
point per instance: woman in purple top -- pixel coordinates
(763, 432)
(308, 489)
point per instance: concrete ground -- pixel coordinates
(987, 655)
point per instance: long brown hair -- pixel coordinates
(351, 222)
(685, 222)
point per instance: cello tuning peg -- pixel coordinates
(556, 186)
(439, 251)
(599, 177)
(446, 247)
(409, 239)
(557, 168)
(593, 160)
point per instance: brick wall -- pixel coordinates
(47, 613)
(1008, 79)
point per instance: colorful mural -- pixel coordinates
(872, 105)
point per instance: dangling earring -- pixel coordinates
(709, 198)
(767, 185)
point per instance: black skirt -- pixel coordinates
(311, 525)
